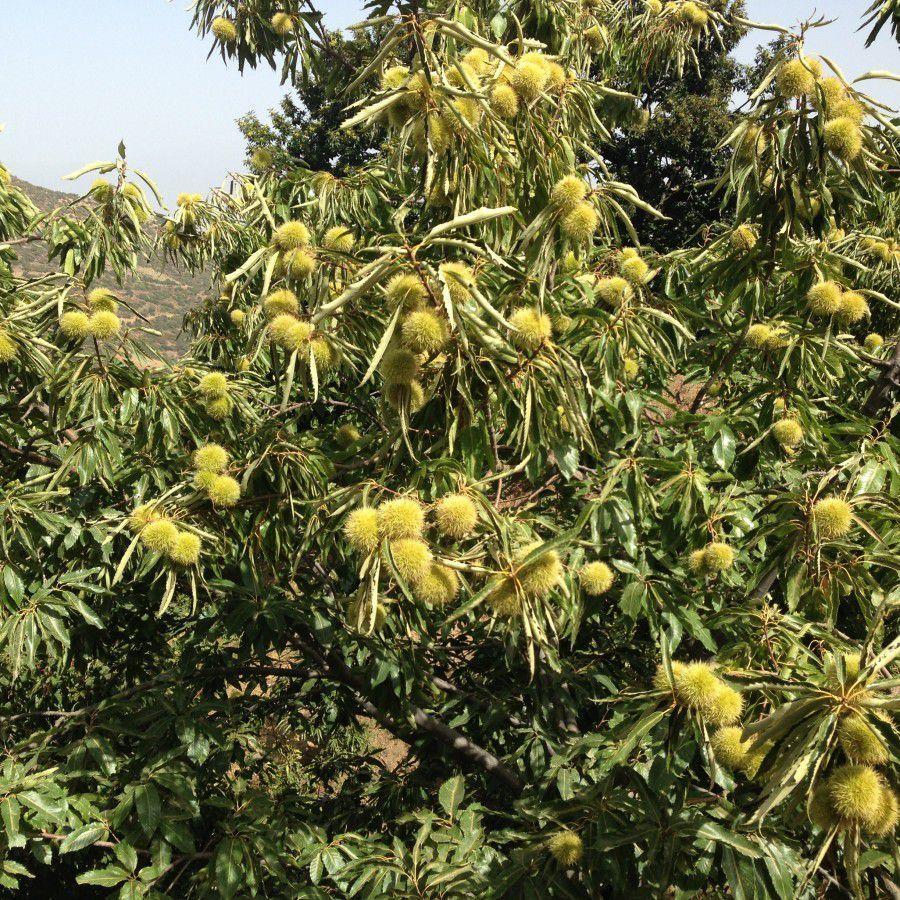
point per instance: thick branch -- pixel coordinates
(111, 845)
(31, 455)
(334, 666)
(885, 386)
(330, 665)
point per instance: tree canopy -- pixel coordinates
(480, 545)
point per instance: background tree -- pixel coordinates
(306, 129)
(674, 157)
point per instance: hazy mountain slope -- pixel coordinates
(157, 290)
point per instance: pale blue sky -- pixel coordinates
(78, 75)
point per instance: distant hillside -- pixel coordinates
(157, 290)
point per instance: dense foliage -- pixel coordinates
(477, 547)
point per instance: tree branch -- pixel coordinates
(111, 845)
(886, 384)
(30, 455)
(333, 666)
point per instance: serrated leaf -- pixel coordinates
(108, 877)
(83, 837)
(451, 794)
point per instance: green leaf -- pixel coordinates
(178, 835)
(16, 868)
(98, 166)
(633, 598)
(316, 869)
(721, 835)
(382, 345)
(83, 837)
(567, 459)
(733, 872)
(565, 779)
(227, 866)
(451, 794)
(871, 478)
(723, 448)
(50, 808)
(10, 811)
(88, 614)
(476, 217)
(146, 799)
(127, 855)
(108, 877)
(13, 583)
(131, 890)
